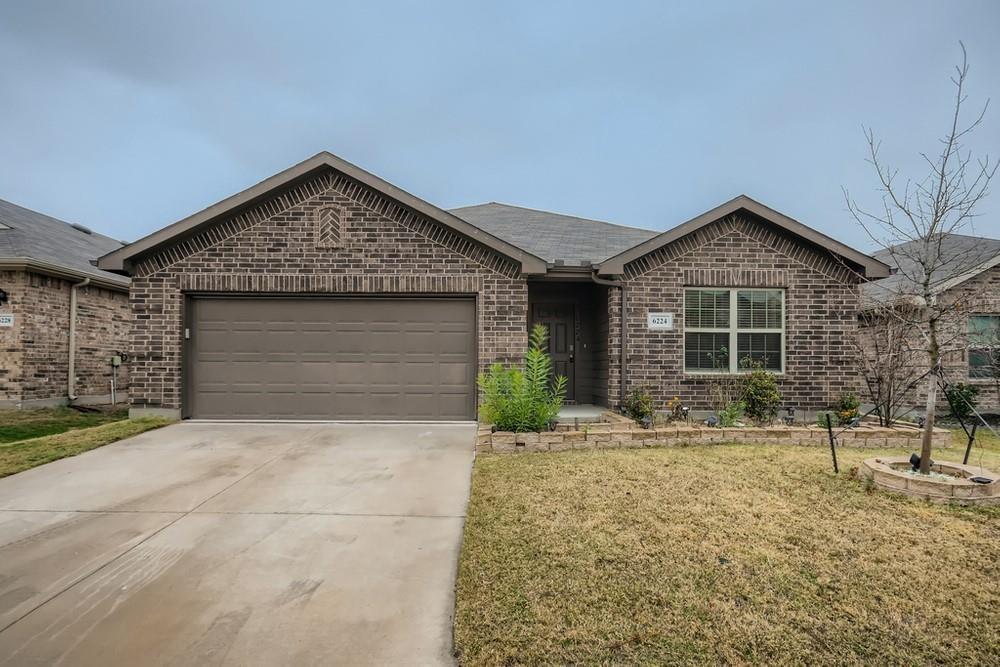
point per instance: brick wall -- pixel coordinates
(980, 294)
(821, 300)
(14, 283)
(37, 347)
(327, 235)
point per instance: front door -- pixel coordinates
(559, 319)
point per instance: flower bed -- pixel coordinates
(615, 431)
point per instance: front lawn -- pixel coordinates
(721, 554)
(24, 454)
(23, 424)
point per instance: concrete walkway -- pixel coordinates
(238, 544)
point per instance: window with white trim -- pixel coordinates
(725, 330)
(984, 346)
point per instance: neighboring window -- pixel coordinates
(726, 328)
(984, 346)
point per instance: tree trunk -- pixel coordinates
(925, 444)
(934, 349)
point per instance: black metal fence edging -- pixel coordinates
(833, 448)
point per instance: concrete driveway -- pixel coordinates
(238, 544)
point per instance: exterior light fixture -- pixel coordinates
(686, 411)
(3, 297)
(790, 417)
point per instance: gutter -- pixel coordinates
(620, 285)
(71, 380)
(44, 268)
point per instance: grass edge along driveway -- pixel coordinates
(22, 455)
(720, 554)
(30, 423)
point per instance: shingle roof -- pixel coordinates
(29, 235)
(961, 257)
(552, 236)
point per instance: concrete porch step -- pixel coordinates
(583, 414)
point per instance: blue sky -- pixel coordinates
(127, 116)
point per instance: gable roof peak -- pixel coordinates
(869, 266)
(120, 260)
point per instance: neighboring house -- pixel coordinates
(48, 356)
(326, 292)
(968, 281)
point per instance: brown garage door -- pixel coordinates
(290, 358)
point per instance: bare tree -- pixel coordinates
(890, 365)
(912, 225)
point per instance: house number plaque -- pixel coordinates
(660, 321)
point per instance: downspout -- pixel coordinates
(621, 286)
(71, 380)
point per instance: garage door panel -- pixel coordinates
(332, 358)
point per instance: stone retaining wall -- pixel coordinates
(619, 432)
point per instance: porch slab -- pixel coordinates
(581, 413)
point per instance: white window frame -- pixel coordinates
(734, 329)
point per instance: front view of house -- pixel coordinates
(325, 292)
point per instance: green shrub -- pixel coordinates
(961, 399)
(761, 397)
(731, 414)
(821, 419)
(523, 400)
(639, 404)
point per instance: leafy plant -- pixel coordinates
(821, 419)
(675, 410)
(724, 387)
(962, 399)
(731, 414)
(639, 404)
(761, 396)
(527, 399)
(847, 408)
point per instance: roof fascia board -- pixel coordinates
(32, 265)
(120, 260)
(616, 265)
(968, 275)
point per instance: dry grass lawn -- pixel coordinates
(720, 554)
(24, 454)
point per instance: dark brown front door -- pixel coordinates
(559, 319)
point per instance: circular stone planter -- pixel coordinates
(894, 473)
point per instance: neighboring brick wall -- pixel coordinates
(103, 319)
(38, 345)
(980, 294)
(14, 283)
(380, 247)
(821, 300)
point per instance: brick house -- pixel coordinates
(968, 283)
(326, 292)
(61, 318)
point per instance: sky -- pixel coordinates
(127, 116)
